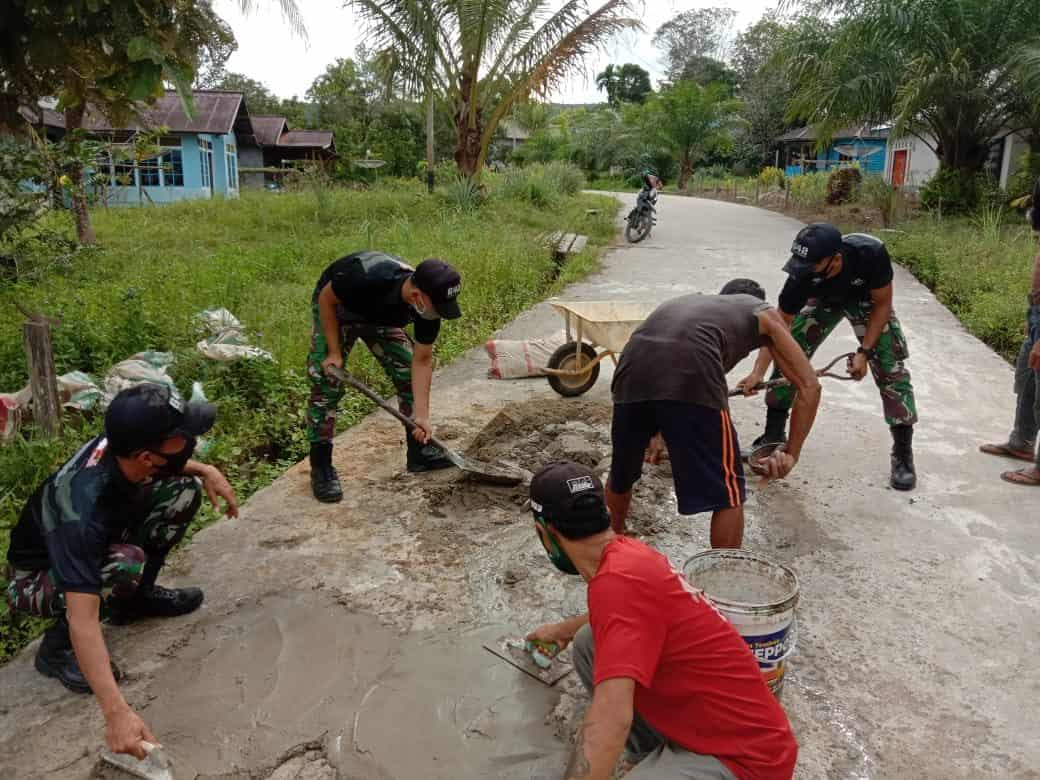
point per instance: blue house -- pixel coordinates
(197, 157)
(865, 146)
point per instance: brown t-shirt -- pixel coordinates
(685, 348)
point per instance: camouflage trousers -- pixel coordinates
(158, 519)
(812, 327)
(392, 347)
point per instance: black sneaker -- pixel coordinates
(157, 601)
(426, 457)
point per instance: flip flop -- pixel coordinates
(1022, 477)
(1006, 451)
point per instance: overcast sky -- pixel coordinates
(267, 50)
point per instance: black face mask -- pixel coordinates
(819, 277)
(175, 461)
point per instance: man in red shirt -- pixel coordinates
(671, 680)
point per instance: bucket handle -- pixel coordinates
(792, 645)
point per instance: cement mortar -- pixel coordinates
(355, 630)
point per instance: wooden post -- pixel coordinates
(787, 194)
(758, 185)
(734, 188)
(42, 377)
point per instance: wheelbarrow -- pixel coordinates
(596, 330)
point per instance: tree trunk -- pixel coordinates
(685, 171)
(467, 138)
(84, 230)
(11, 122)
(431, 162)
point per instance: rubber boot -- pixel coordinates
(904, 477)
(324, 479)
(151, 600)
(425, 457)
(57, 659)
(776, 429)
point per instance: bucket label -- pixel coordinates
(771, 648)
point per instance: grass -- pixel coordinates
(259, 257)
(979, 268)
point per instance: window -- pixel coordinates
(206, 158)
(173, 169)
(124, 174)
(149, 171)
(231, 161)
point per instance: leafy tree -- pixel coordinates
(692, 121)
(764, 90)
(485, 57)
(259, 99)
(708, 70)
(342, 93)
(693, 36)
(628, 83)
(952, 72)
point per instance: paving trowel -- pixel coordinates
(155, 766)
(493, 473)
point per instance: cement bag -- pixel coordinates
(225, 338)
(519, 359)
(138, 369)
(78, 391)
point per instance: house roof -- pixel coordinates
(309, 138)
(269, 128)
(809, 134)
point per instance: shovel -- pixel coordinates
(492, 473)
(155, 766)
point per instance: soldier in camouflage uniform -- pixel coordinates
(93, 537)
(834, 278)
(373, 296)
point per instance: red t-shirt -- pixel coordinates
(697, 682)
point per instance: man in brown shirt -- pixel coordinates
(671, 382)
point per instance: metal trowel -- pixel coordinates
(155, 766)
(517, 652)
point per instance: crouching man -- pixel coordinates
(671, 680)
(93, 537)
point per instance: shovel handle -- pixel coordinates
(340, 375)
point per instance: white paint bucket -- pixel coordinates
(758, 597)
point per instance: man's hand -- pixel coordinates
(1034, 357)
(124, 732)
(750, 382)
(333, 359)
(423, 430)
(858, 366)
(657, 450)
(217, 487)
(560, 633)
(777, 465)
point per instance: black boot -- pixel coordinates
(904, 477)
(776, 429)
(57, 659)
(426, 457)
(324, 479)
(151, 600)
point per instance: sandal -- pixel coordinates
(1006, 451)
(1030, 477)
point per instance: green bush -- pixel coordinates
(956, 192)
(540, 185)
(877, 193)
(771, 177)
(463, 193)
(842, 184)
(809, 191)
(1021, 183)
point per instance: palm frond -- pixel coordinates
(290, 12)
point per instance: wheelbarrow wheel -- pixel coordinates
(566, 358)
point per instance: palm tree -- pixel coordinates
(953, 71)
(608, 81)
(485, 56)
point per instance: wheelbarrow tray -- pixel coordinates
(605, 324)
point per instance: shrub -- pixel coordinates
(464, 194)
(877, 193)
(1021, 182)
(959, 192)
(771, 177)
(809, 191)
(565, 178)
(842, 185)
(541, 185)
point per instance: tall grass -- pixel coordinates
(260, 257)
(541, 185)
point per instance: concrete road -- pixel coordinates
(345, 641)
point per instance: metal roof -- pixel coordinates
(309, 138)
(268, 128)
(808, 134)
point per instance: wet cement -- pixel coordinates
(345, 641)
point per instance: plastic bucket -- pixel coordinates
(758, 597)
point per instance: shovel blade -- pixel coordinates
(156, 766)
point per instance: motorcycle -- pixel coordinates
(644, 216)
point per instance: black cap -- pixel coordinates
(442, 283)
(813, 243)
(570, 497)
(146, 415)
